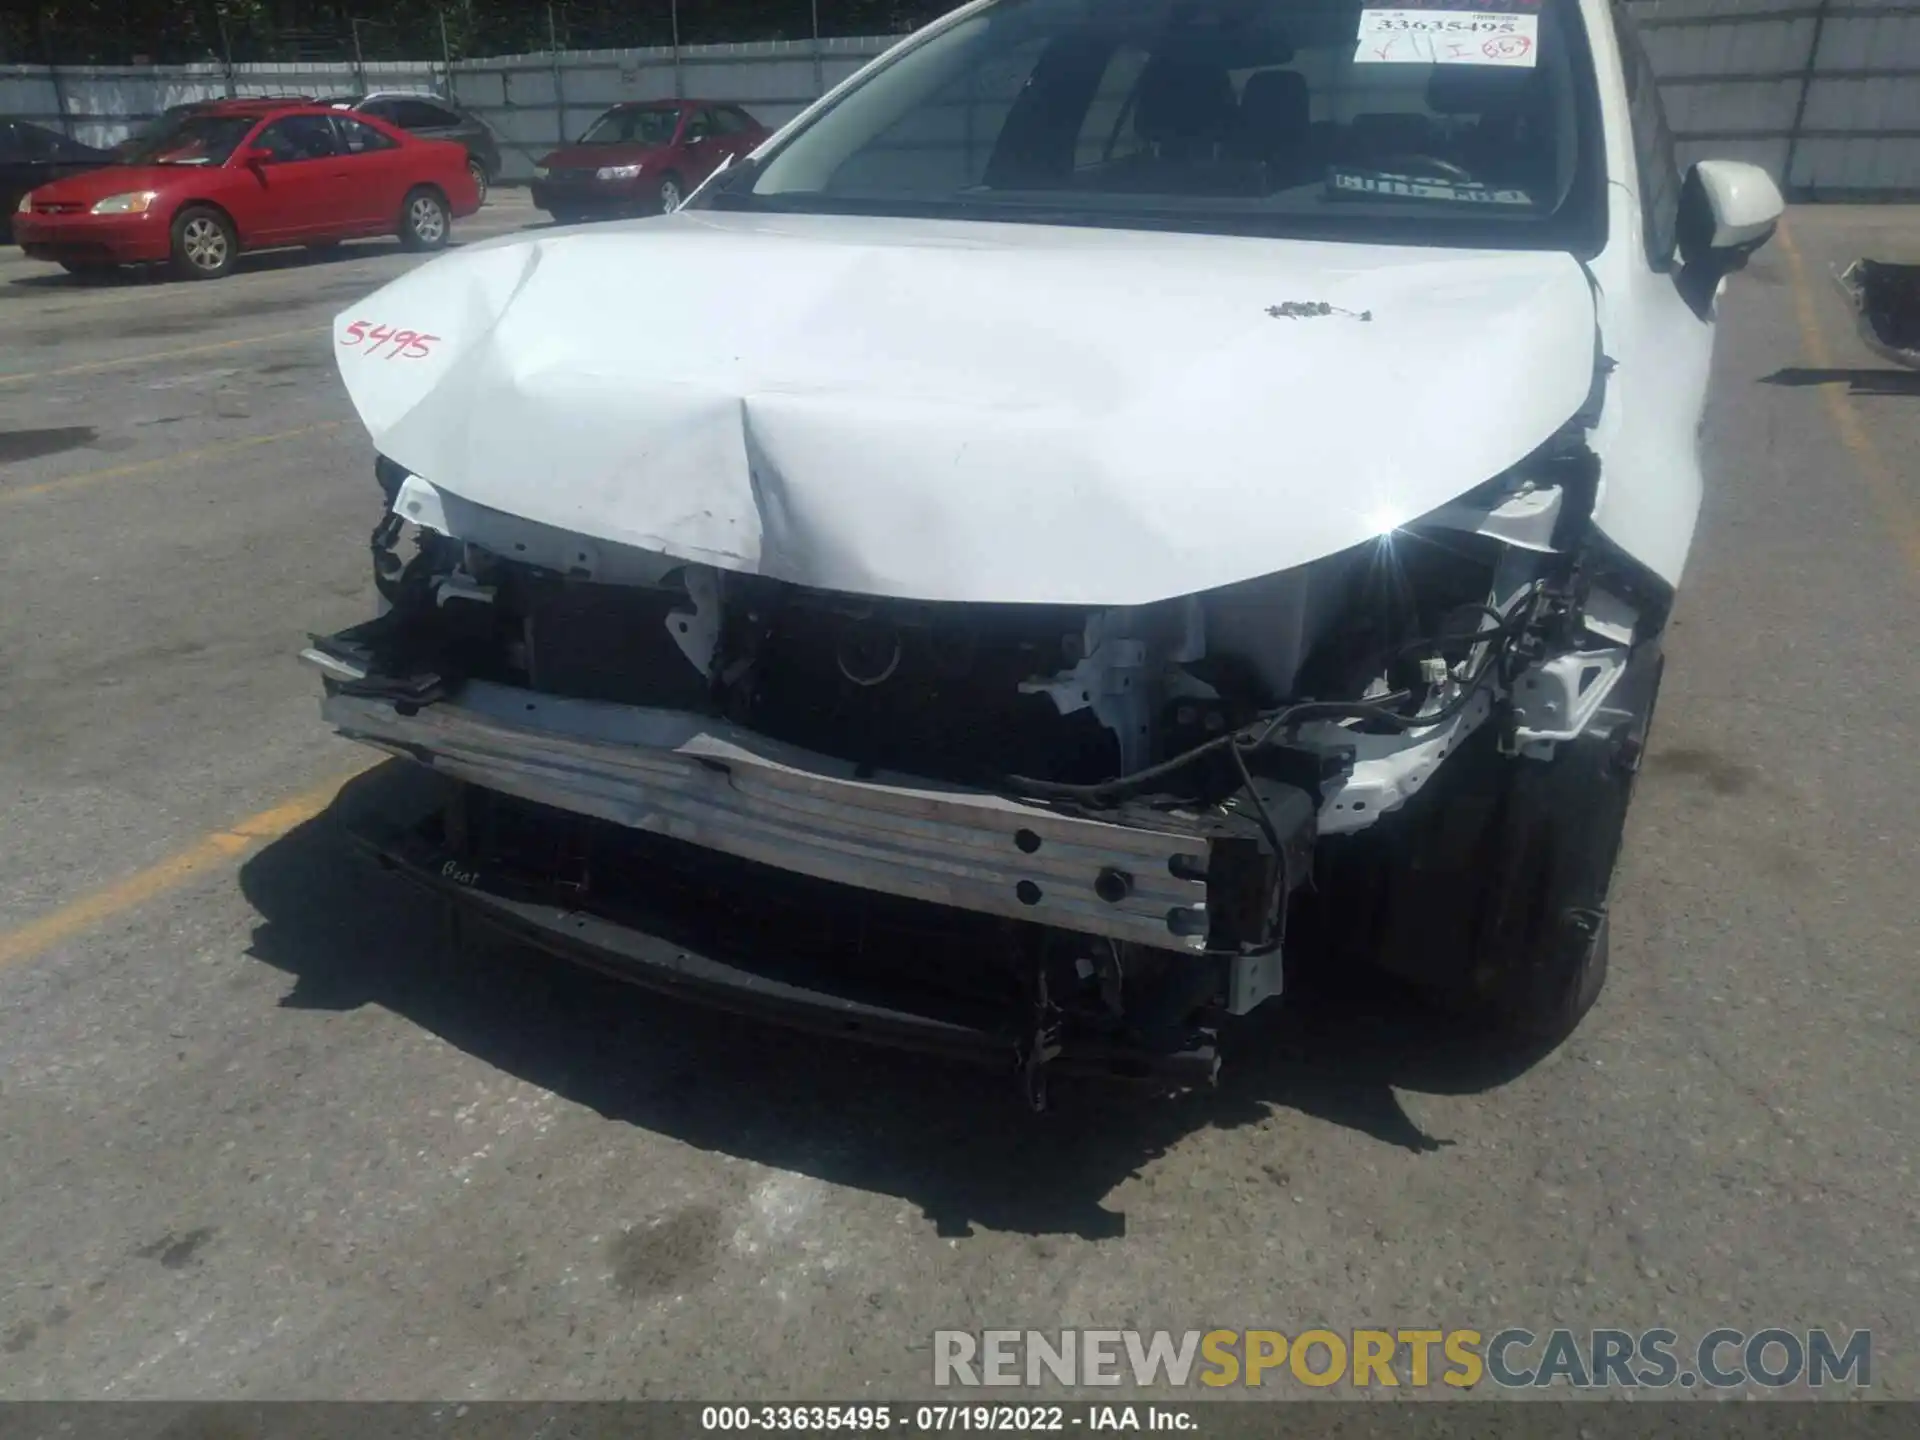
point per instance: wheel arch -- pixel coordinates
(205, 203)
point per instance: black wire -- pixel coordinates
(1507, 624)
(1297, 714)
(1294, 714)
(1267, 827)
(1504, 625)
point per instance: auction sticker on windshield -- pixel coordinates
(1432, 36)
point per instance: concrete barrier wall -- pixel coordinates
(1824, 93)
(533, 102)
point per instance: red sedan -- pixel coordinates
(643, 158)
(249, 176)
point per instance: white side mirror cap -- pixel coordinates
(1743, 200)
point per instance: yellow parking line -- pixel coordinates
(1896, 507)
(20, 377)
(163, 462)
(25, 941)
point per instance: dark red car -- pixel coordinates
(643, 158)
(249, 175)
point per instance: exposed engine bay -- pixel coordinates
(1064, 836)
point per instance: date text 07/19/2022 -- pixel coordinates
(938, 1419)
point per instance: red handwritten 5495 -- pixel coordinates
(404, 344)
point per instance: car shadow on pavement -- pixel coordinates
(1858, 382)
(956, 1141)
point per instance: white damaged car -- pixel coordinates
(1117, 498)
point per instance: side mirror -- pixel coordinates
(1728, 210)
(254, 156)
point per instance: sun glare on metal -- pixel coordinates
(1384, 520)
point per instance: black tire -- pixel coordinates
(205, 245)
(671, 195)
(1542, 956)
(481, 180)
(425, 222)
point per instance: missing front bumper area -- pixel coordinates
(996, 1014)
(654, 844)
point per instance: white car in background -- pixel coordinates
(1113, 501)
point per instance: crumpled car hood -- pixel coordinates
(968, 412)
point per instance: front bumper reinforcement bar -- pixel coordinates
(1175, 881)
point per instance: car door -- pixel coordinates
(303, 180)
(702, 147)
(739, 132)
(377, 176)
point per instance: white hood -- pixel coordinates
(970, 412)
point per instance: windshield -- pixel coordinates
(632, 127)
(1275, 116)
(191, 140)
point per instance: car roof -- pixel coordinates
(261, 105)
(353, 101)
(675, 104)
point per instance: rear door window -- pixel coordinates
(299, 137)
(359, 138)
(421, 115)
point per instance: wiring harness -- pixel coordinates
(1500, 638)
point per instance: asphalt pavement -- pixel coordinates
(261, 1135)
